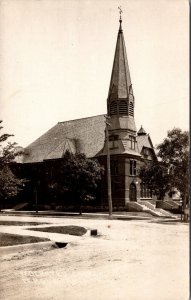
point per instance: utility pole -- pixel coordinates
(185, 209)
(36, 199)
(108, 169)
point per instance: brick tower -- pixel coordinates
(124, 153)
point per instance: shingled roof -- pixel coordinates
(85, 135)
(120, 84)
(144, 141)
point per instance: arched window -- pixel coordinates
(113, 108)
(123, 107)
(132, 192)
(131, 109)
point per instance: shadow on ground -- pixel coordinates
(169, 222)
(20, 223)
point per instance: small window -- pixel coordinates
(146, 151)
(133, 167)
(113, 108)
(123, 107)
(131, 109)
(113, 141)
(113, 144)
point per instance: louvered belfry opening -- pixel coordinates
(119, 108)
(123, 108)
(113, 108)
(131, 109)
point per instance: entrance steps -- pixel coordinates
(146, 206)
(168, 205)
(172, 203)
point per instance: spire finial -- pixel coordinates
(120, 19)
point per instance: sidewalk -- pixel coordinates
(99, 215)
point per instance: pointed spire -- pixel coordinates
(120, 84)
(141, 131)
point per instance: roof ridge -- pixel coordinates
(81, 119)
(125, 58)
(62, 142)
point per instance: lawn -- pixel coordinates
(7, 239)
(72, 230)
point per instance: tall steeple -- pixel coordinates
(120, 145)
(120, 84)
(120, 102)
(122, 133)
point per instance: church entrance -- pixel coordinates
(132, 192)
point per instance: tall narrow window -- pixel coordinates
(132, 142)
(123, 107)
(114, 167)
(146, 191)
(113, 108)
(133, 167)
(131, 109)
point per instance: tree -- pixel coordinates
(76, 175)
(174, 153)
(157, 178)
(172, 169)
(10, 185)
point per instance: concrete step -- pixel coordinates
(147, 204)
(148, 207)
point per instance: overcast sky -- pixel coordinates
(56, 59)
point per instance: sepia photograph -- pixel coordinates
(94, 149)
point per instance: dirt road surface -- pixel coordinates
(129, 260)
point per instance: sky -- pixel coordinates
(56, 60)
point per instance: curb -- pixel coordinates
(24, 247)
(76, 215)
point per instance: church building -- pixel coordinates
(129, 149)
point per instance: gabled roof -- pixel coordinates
(120, 84)
(144, 141)
(84, 135)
